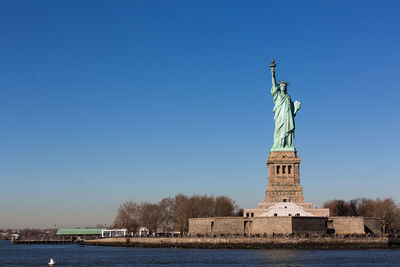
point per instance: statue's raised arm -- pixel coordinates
(274, 85)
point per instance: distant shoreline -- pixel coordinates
(251, 243)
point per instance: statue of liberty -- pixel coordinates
(285, 111)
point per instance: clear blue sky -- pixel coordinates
(102, 102)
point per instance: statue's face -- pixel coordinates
(282, 86)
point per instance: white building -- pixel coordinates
(143, 231)
(114, 232)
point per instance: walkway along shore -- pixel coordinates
(252, 243)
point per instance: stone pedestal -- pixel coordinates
(283, 178)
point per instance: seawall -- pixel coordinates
(252, 243)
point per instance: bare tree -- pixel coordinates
(128, 216)
(338, 207)
(201, 206)
(173, 213)
(166, 206)
(385, 209)
(150, 216)
(181, 213)
(225, 206)
(395, 225)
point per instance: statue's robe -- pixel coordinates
(284, 120)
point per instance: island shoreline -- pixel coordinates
(319, 243)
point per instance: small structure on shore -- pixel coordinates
(114, 232)
(91, 233)
(81, 233)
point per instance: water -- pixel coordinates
(74, 255)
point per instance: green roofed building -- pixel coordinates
(81, 233)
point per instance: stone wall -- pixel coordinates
(240, 225)
(373, 226)
(200, 226)
(309, 225)
(271, 225)
(228, 225)
(216, 225)
(347, 224)
(278, 225)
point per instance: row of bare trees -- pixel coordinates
(385, 209)
(173, 213)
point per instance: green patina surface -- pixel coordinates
(96, 231)
(285, 111)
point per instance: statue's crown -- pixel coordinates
(284, 82)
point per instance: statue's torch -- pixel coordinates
(272, 65)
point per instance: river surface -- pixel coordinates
(74, 255)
